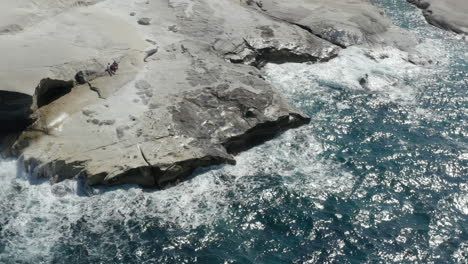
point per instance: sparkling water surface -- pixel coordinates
(379, 176)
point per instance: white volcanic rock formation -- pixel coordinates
(344, 23)
(451, 15)
(189, 91)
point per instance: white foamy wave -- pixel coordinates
(7, 168)
(205, 199)
(32, 214)
(45, 214)
(380, 70)
(297, 162)
(7, 171)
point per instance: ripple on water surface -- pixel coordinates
(379, 176)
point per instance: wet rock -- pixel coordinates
(364, 82)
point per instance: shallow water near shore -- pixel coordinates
(379, 176)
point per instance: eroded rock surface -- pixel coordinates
(451, 15)
(189, 92)
(343, 23)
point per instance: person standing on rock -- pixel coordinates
(114, 67)
(109, 70)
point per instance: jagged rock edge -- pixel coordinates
(182, 170)
(264, 130)
(165, 174)
(277, 56)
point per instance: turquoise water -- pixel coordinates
(379, 176)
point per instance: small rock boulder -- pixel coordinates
(144, 21)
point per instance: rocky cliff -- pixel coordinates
(445, 14)
(189, 91)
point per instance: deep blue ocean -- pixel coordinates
(379, 176)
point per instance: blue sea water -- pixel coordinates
(379, 176)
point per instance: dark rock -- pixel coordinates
(239, 112)
(150, 53)
(363, 81)
(15, 111)
(144, 21)
(107, 122)
(50, 90)
(151, 41)
(419, 3)
(83, 77)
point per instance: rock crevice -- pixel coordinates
(258, 57)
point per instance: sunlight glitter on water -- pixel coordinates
(378, 176)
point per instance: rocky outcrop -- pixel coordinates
(218, 108)
(343, 23)
(451, 15)
(194, 99)
(257, 52)
(225, 108)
